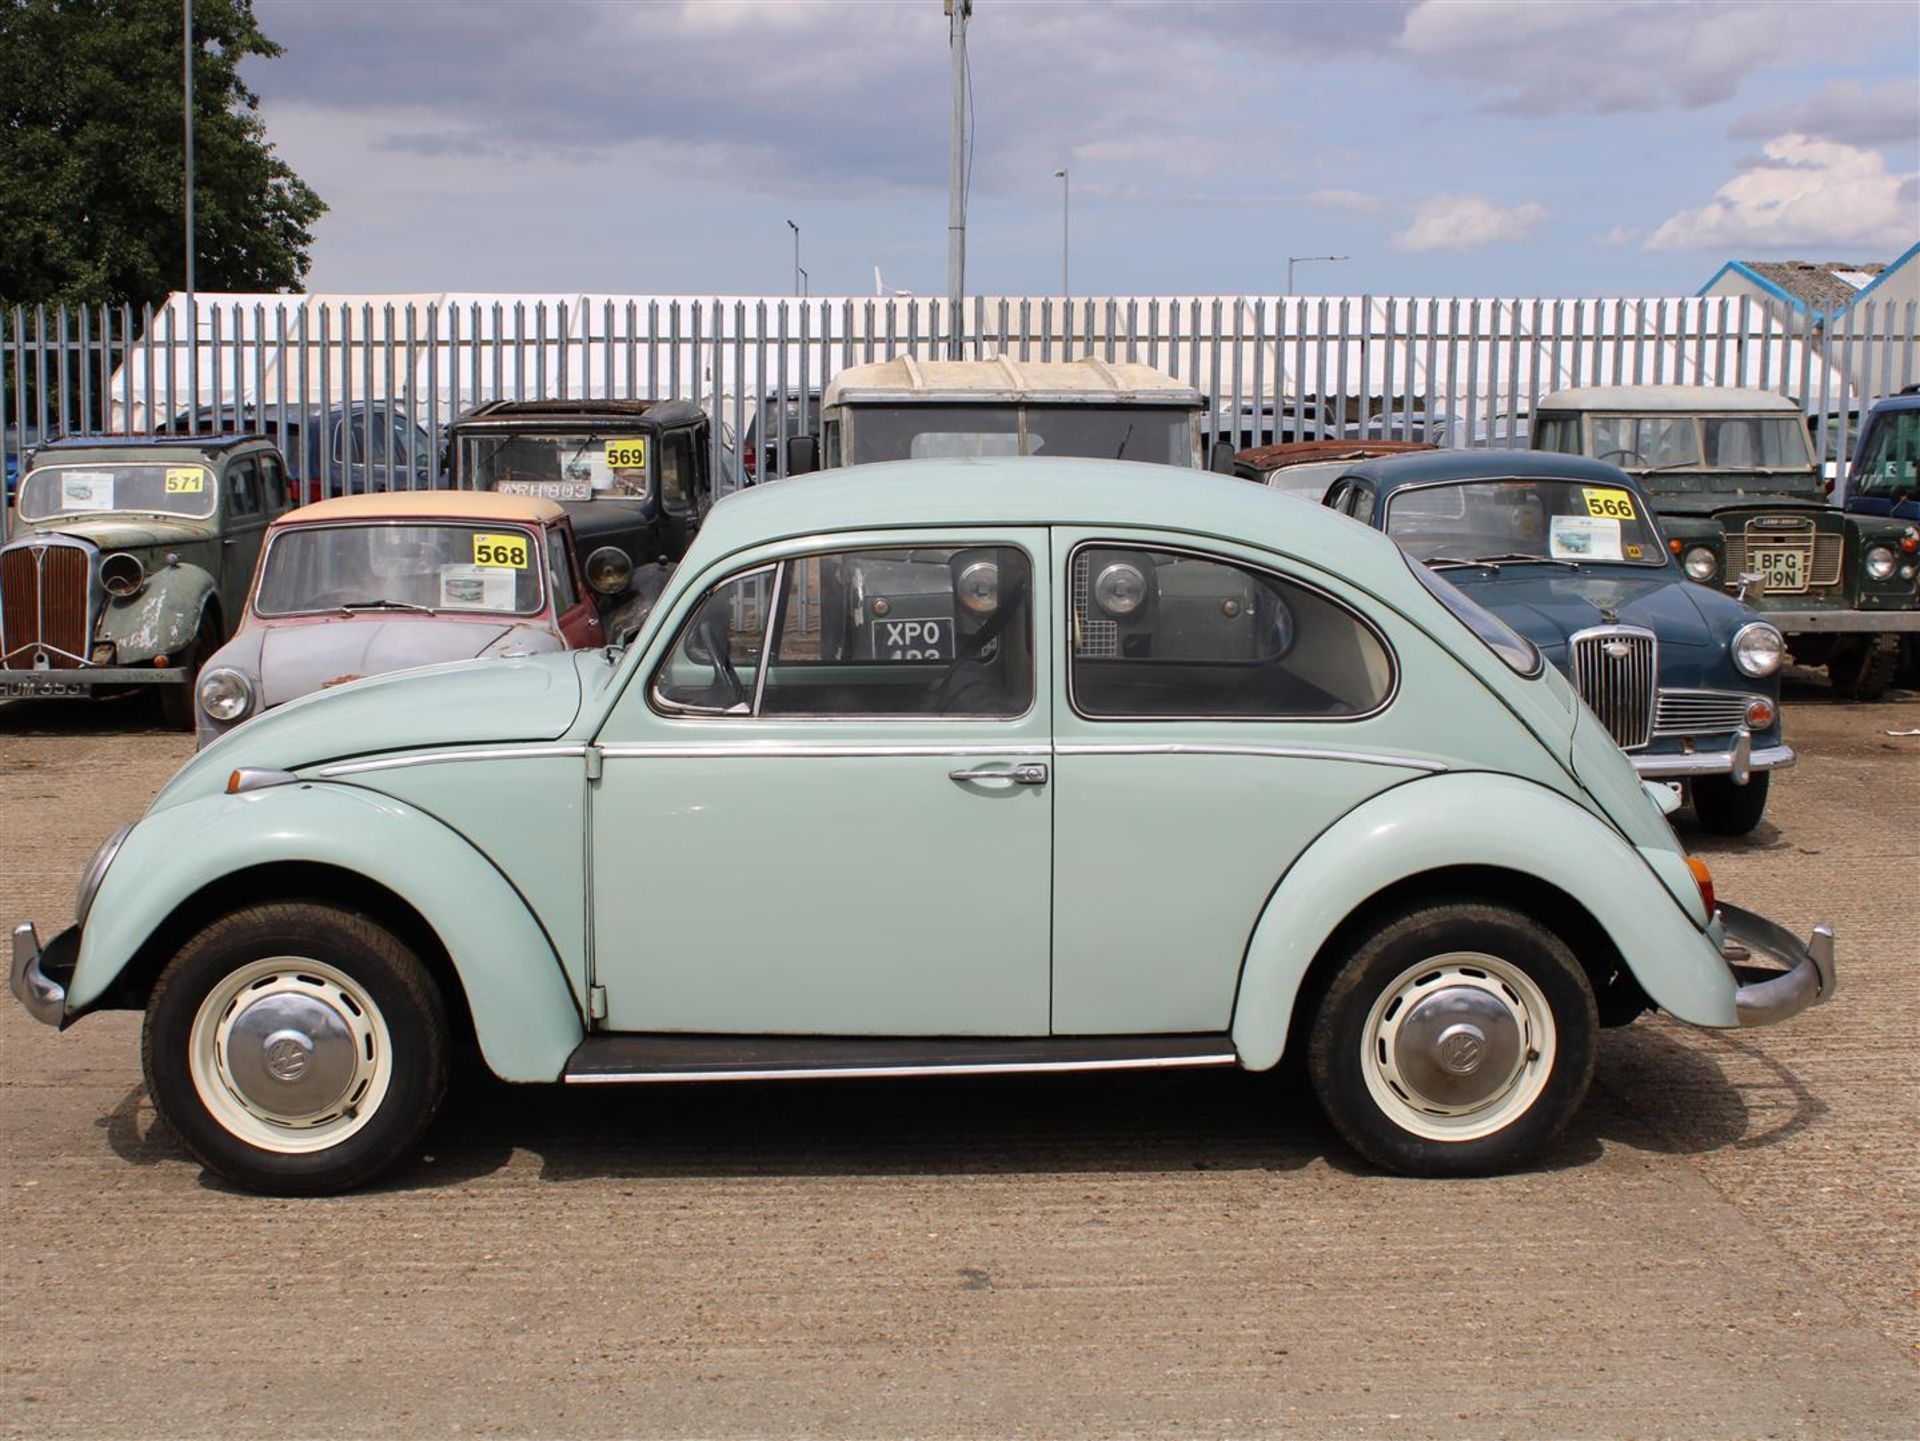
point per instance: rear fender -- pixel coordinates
(1475, 819)
(523, 1008)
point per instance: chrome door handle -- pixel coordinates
(1030, 774)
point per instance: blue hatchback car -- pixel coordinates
(1567, 552)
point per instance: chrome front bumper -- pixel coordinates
(1794, 974)
(1739, 761)
(39, 978)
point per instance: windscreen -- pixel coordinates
(81, 490)
(555, 466)
(314, 569)
(1890, 467)
(1515, 520)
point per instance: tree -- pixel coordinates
(92, 153)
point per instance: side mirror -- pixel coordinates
(1752, 583)
(1221, 462)
(803, 454)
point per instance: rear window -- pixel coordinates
(1502, 639)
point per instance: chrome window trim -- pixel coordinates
(1311, 753)
(289, 523)
(992, 1068)
(434, 758)
(83, 515)
(1218, 558)
(777, 750)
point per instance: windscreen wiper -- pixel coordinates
(1520, 558)
(350, 606)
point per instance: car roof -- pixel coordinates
(429, 505)
(1436, 467)
(1312, 452)
(906, 377)
(148, 441)
(1685, 398)
(1043, 490)
(1902, 401)
(585, 411)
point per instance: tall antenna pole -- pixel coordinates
(193, 322)
(957, 13)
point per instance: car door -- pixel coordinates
(824, 803)
(1212, 717)
(244, 518)
(574, 612)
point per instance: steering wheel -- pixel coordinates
(1608, 455)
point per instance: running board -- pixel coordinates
(615, 1059)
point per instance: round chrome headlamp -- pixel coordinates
(122, 574)
(609, 570)
(979, 587)
(225, 695)
(1758, 649)
(1700, 563)
(95, 873)
(1120, 589)
(1881, 562)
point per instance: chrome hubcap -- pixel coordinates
(290, 1054)
(1458, 1046)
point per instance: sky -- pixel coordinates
(1444, 147)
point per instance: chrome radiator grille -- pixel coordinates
(1822, 550)
(43, 606)
(1700, 712)
(1614, 669)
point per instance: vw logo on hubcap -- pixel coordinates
(287, 1055)
(1462, 1049)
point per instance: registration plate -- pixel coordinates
(1784, 569)
(548, 489)
(923, 638)
(43, 689)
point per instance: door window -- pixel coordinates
(676, 471)
(243, 494)
(560, 561)
(1170, 634)
(716, 657)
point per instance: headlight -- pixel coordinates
(95, 873)
(1120, 589)
(1881, 562)
(122, 574)
(1758, 649)
(980, 587)
(226, 695)
(609, 570)
(1701, 563)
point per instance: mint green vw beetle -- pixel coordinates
(1186, 774)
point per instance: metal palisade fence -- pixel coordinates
(376, 379)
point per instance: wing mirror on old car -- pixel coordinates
(1221, 460)
(803, 454)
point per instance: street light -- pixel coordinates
(1293, 260)
(796, 256)
(1061, 176)
(803, 285)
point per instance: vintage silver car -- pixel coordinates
(128, 561)
(363, 585)
(1387, 837)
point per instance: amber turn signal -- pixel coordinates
(1674, 546)
(1702, 878)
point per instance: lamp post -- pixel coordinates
(803, 285)
(1061, 176)
(193, 320)
(1293, 260)
(796, 256)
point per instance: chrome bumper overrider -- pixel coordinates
(1795, 974)
(39, 978)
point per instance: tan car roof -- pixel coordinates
(429, 505)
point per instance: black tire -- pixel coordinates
(1531, 1109)
(176, 701)
(1864, 669)
(405, 1024)
(1727, 809)
(1908, 674)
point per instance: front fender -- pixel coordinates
(162, 618)
(1476, 819)
(523, 1008)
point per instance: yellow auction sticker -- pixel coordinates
(1612, 504)
(509, 550)
(186, 480)
(627, 454)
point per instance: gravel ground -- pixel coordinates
(1723, 1244)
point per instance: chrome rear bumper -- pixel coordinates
(1794, 974)
(39, 978)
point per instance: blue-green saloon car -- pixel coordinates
(1388, 837)
(1567, 551)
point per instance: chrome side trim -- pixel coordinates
(434, 758)
(1304, 753)
(825, 1073)
(736, 750)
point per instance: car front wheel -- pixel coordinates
(1727, 809)
(296, 1048)
(1458, 1040)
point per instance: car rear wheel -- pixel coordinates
(296, 1048)
(1458, 1040)
(1727, 809)
(1863, 667)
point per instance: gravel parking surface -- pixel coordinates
(1724, 1243)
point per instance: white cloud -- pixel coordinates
(1536, 58)
(1803, 192)
(1616, 236)
(1466, 222)
(1845, 111)
(1356, 201)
